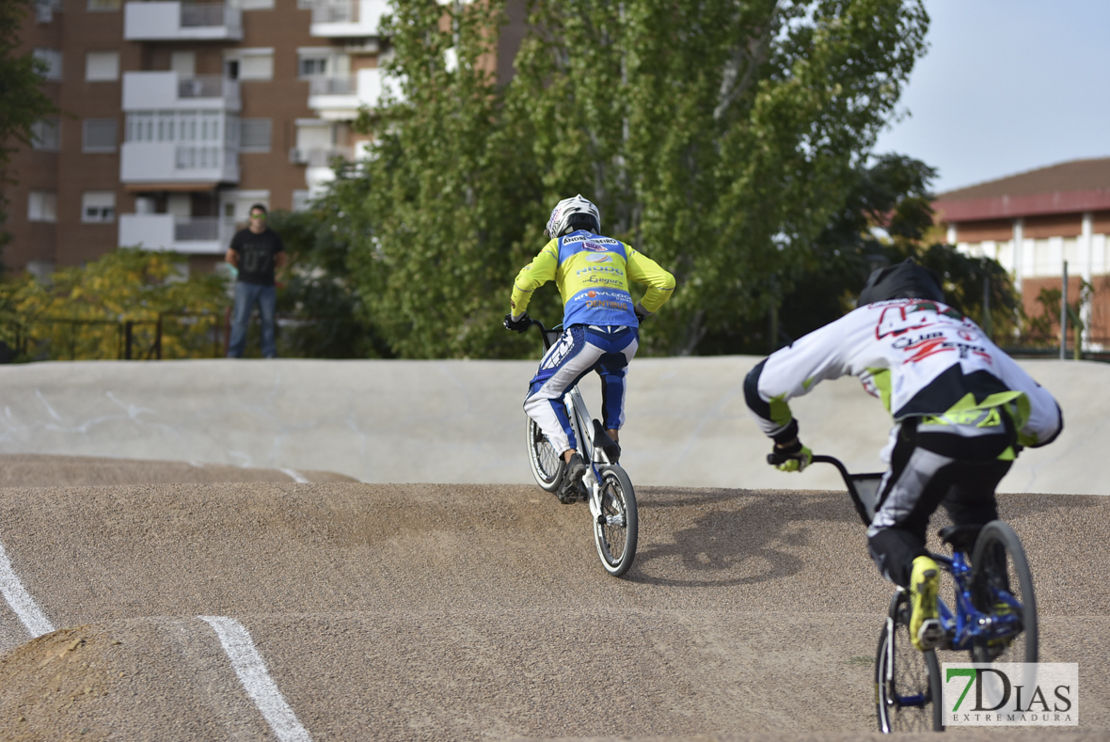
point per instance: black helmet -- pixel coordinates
(905, 280)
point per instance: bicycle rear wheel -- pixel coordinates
(547, 465)
(617, 528)
(1002, 587)
(907, 681)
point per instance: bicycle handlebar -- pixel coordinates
(775, 459)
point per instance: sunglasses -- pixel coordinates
(258, 216)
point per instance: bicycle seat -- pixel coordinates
(960, 538)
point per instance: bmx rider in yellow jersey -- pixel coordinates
(600, 323)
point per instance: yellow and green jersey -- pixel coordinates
(593, 273)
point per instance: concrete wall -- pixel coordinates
(461, 421)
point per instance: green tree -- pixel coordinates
(886, 218)
(717, 137)
(436, 212)
(323, 308)
(24, 101)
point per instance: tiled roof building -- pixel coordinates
(1032, 222)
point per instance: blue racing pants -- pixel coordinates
(581, 349)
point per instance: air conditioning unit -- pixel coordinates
(298, 156)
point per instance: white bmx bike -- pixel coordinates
(611, 501)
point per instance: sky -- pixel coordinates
(1006, 86)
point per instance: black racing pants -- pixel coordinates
(927, 471)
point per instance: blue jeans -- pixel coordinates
(246, 296)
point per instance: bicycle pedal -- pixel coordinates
(931, 634)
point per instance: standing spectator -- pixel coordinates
(255, 252)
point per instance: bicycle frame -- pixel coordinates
(967, 623)
(589, 435)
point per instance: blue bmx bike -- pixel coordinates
(994, 617)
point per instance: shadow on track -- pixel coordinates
(739, 537)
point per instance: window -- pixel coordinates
(184, 63)
(45, 10)
(98, 206)
(255, 64)
(42, 206)
(102, 66)
(254, 135)
(182, 126)
(51, 60)
(102, 6)
(99, 135)
(312, 66)
(257, 4)
(302, 200)
(45, 134)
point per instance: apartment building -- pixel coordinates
(177, 116)
(1032, 223)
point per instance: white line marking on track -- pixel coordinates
(295, 475)
(251, 669)
(20, 600)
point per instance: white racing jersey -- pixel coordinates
(921, 358)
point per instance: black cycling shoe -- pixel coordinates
(572, 489)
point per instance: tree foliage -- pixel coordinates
(24, 101)
(717, 137)
(886, 217)
(81, 313)
(321, 306)
(438, 208)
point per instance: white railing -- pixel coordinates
(201, 228)
(202, 157)
(335, 11)
(204, 235)
(205, 86)
(198, 15)
(171, 20)
(320, 156)
(347, 18)
(330, 85)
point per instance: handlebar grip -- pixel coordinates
(775, 459)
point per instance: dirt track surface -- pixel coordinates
(452, 612)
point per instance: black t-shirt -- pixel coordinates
(256, 255)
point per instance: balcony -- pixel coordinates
(146, 91)
(320, 157)
(347, 18)
(170, 163)
(204, 235)
(178, 21)
(339, 98)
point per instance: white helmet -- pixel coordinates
(571, 214)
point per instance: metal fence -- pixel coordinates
(63, 338)
(171, 335)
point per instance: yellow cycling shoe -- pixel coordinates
(925, 629)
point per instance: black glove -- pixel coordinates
(641, 315)
(518, 325)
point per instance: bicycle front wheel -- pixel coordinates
(547, 465)
(617, 527)
(1002, 588)
(907, 681)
